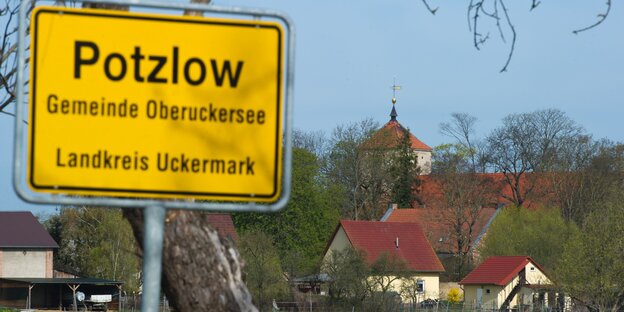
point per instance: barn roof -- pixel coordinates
(376, 238)
(498, 270)
(20, 229)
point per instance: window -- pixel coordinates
(420, 286)
(532, 269)
(487, 291)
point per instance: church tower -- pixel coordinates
(391, 134)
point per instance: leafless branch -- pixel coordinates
(478, 38)
(498, 24)
(534, 4)
(468, 19)
(11, 114)
(513, 38)
(432, 11)
(601, 18)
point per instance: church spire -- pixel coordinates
(395, 88)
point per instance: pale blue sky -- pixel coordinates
(347, 54)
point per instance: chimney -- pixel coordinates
(396, 243)
(392, 206)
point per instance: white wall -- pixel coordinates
(424, 161)
(534, 276)
(26, 263)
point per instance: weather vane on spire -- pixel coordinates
(395, 88)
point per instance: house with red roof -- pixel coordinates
(506, 282)
(402, 240)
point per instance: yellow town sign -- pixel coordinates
(144, 105)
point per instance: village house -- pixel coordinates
(26, 248)
(404, 241)
(27, 276)
(509, 282)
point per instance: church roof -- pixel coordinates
(390, 136)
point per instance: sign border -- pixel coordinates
(19, 155)
(161, 18)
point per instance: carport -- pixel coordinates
(53, 293)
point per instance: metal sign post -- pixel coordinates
(154, 234)
(121, 164)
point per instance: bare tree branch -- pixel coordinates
(432, 11)
(534, 4)
(601, 18)
(513, 38)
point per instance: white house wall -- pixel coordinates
(488, 301)
(534, 276)
(424, 161)
(431, 289)
(340, 242)
(26, 263)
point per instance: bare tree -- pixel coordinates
(462, 199)
(529, 142)
(481, 14)
(347, 164)
(587, 174)
(462, 129)
(8, 53)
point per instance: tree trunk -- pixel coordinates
(201, 270)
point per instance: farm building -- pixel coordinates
(27, 276)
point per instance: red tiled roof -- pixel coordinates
(375, 238)
(437, 227)
(430, 189)
(497, 270)
(390, 135)
(222, 222)
(20, 229)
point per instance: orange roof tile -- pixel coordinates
(437, 225)
(390, 135)
(375, 238)
(223, 223)
(498, 270)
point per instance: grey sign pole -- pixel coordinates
(153, 236)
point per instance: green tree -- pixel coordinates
(541, 234)
(263, 271)
(347, 271)
(307, 222)
(404, 170)
(96, 242)
(591, 267)
(384, 272)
